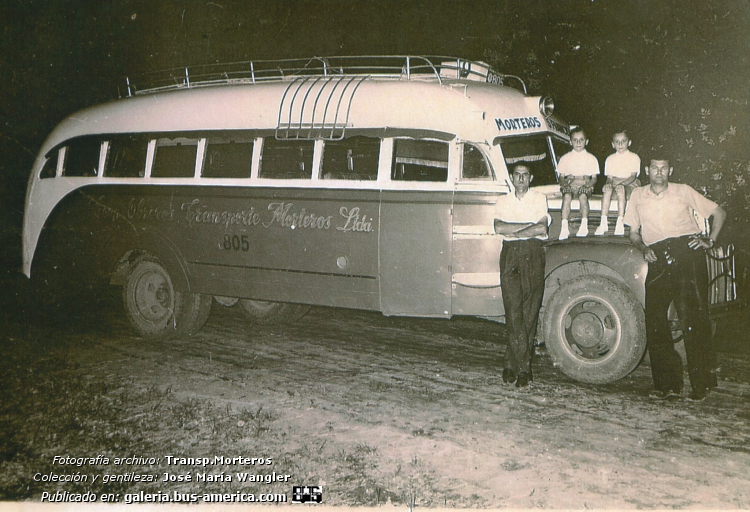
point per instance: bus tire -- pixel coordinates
(594, 329)
(153, 307)
(264, 312)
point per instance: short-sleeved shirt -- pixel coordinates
(530, 208)
(578, 163)
(667, 215)
(622, 165)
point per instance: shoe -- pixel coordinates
(509, 376)
(523, 380)
(619, 227)
(602, 229)
(669, 395)
(698, 394)
(564, 233)
(583, 231)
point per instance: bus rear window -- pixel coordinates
(353, 158)
(82, 157)
(534, 152)
(126, 158)
(175, 158)
(49, 170)
(228, 157)
(419, 160)
(286, 159)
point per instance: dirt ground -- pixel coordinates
(374, 410)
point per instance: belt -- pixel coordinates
(674, 249)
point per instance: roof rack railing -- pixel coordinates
(409, 67)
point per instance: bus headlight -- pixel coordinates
(546, 106)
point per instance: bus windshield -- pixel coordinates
(534, 152)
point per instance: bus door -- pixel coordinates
(475, 279)
(415, 231)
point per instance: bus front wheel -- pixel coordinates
(594, 329)
(264, 312)
(155, 309)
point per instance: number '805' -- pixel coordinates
(236, 243)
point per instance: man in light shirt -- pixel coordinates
(522, 218)
(663, 227)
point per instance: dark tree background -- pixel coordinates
(673, 73)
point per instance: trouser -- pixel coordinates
(522, 281)
(680, 275)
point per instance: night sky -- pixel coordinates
(654, 67)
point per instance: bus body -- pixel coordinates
(325, 186)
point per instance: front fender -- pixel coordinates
(617, 259)
(159, 244)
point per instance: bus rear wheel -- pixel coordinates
(594, 329)
(264, 312)
(153, 307)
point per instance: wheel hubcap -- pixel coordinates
(591, 329)
(153, 297)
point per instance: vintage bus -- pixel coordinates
(364, 183)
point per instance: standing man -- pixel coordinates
(663, 227)
(522, 219)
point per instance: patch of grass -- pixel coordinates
(51, 405)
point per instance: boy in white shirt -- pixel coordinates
(621, 169)
(577, 171)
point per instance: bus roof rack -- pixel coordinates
(397, 67)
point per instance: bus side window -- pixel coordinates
(82, 157)
(228, 157)
(419, 160)
(175, 158)
(49, 170)
(475, 166)
(286, 159)
(353, 158)
(126, 158)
